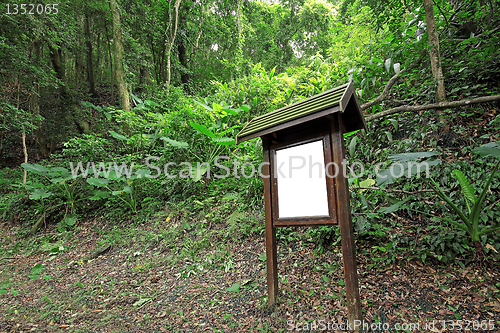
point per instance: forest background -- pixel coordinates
(98, 81)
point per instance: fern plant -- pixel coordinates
(469, 222)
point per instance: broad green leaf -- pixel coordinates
(394, 208)
(37, 269)
(141, 173)
(489, 149)
(137, 99)
(113, 175)
(467, 188)
(203, 129)
(389, 136)
(34, 186)
(225, 141)
(99, 195)
(412, 157)
(203, 105)
(70, 220)
(407, 169)
(233, 112)
(14, 292)
(151, 103)
(394, 123)
(367, 182)
(235, 288)
(199, 172)
(118, 136)
(174, 143)
(3, 291)
(86, 104)
(35, 168)
(58, 170)
(63, 179)
(100, 182)
(40, 193)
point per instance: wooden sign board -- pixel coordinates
(304, 184)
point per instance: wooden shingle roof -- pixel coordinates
(339, 99)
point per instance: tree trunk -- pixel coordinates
(181, 49)
(90, 64)
(79, 61)
(239, 49)
(33, 101)
(173, 33)
(435, 57)
(98, 55)
(110, 60)
(57, 63)
(23, 134)
(480, 254)
(123, 93)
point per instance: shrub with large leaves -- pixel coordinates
(468, 221)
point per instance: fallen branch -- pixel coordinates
(413, 108)
(415, 193)
(387, 190)
(97, 253)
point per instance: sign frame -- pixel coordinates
(326, 116)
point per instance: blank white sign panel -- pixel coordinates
(300, 173)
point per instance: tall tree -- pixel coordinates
(435, 57)
(123, 93)
(90, 64)
(173, 22)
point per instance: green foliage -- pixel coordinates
(61, 184)
(93, 146)
(232, 61)
(124, 188)
(469, 223)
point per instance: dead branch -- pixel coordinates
(414, 108)
(385, 92)
(387, 190)
(415, 193)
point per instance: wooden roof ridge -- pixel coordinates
(334, 100)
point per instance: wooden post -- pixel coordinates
(345, 224)
(271, 252)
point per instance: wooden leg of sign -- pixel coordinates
(271, 251)
(346, 231)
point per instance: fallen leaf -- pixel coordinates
(489, 246)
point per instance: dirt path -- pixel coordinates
(145, 286)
